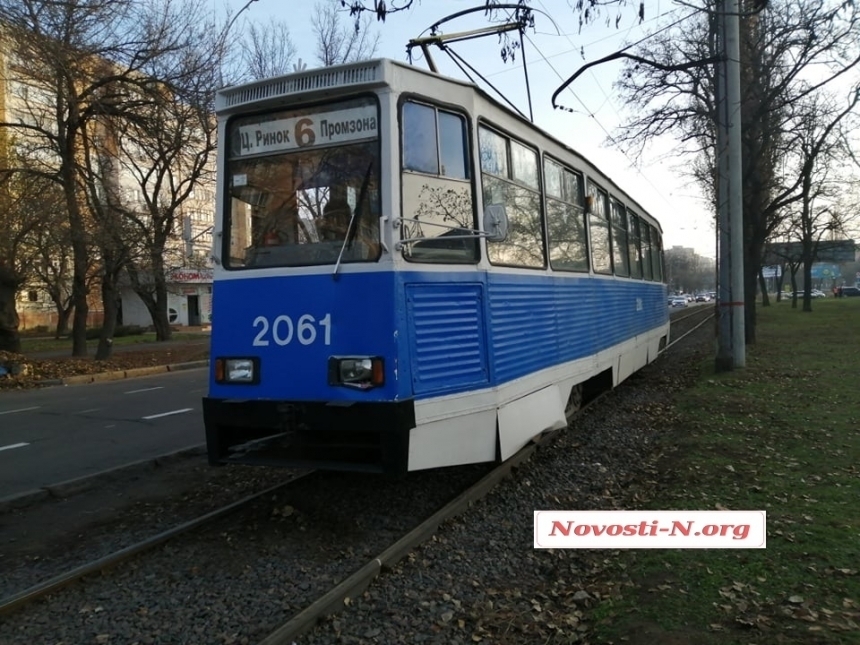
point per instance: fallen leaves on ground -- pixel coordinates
(34, 372)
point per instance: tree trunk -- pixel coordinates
(807, 277)
(80, 252)
(765, 300)
(63, 315)
(155, 300)
(10, 340)
(64, 312)
(752, 260)
(110, 297)
(794, 287)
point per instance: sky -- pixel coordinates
(553, 51)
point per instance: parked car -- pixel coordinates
(815, 293)
(849, 292)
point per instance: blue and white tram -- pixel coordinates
(409, 275)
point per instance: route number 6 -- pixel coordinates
(283, 331)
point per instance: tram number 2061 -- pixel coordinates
(283, 331)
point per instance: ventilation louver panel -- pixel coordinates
(305, 82)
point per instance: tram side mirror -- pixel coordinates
(496, 222)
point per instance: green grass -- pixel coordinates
(782, 435)
(33, 345)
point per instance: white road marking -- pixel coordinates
(85, 411)
(13, 445)
(146, 389)
(36, 407)
(167, 414)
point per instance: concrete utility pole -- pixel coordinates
(731, 344)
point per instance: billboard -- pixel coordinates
(832, 251)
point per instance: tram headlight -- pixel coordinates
(237, 370)
(363, 372)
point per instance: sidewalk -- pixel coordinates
(59, 367)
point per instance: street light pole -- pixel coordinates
(731, 345)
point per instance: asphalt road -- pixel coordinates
(51, 435)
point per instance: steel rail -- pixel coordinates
(16, 601)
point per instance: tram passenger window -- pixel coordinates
(619, 239)
(635, 251)
(523, 245)
(656, 255)
(598, 228)
(647, 265)
(524, 162)
(565, 218)
(494, 153)
(438, 206)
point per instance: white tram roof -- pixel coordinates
(339, 80)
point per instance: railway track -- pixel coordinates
(332, 597)
(43, 589)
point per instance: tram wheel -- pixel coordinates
(574, 402)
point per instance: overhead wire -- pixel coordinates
(593, 116)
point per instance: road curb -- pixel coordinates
(71, 487)
(122, 374)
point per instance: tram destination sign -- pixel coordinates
(317, 129)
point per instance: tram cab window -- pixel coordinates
(438, 206)
(514, 185)
(565, 218)
(598, 228)
(304, 187)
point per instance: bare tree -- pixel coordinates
(22, 215)
(168, 155)
(339, 42)
(819, 154)
(778, 48)
(81, 63)
(267, 50)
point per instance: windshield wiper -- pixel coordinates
(352, 229)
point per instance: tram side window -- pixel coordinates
(598, 227)
(656, 255)
(509, 177)
(565, 218)
(438, 209)
(634, 245)
(647, 262)
(619, 239)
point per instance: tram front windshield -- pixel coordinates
(303, 186)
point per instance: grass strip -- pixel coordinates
(782, 435)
